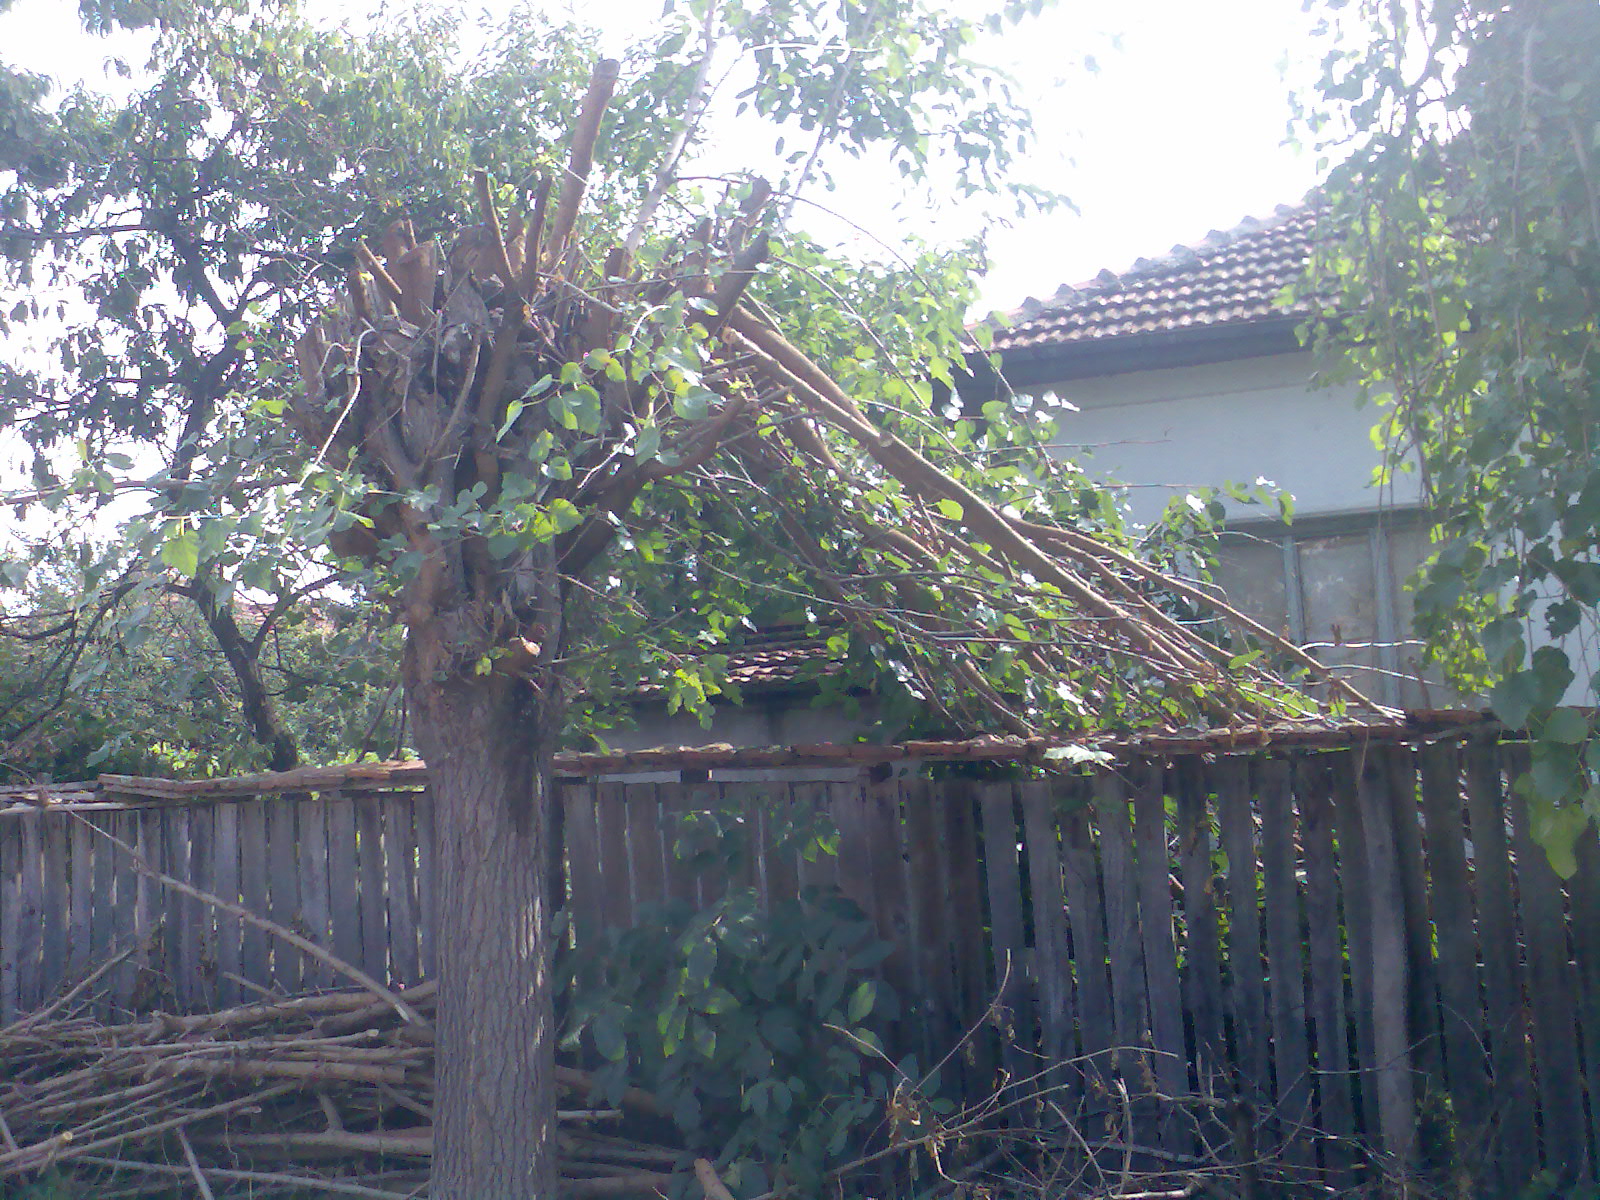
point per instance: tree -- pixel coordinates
(568, 439)
(1464, 289)
(192, 221)
(501, 418)
(143, 689)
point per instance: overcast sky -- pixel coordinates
(1181, 130)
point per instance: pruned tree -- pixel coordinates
(503, 412)
(155, 244)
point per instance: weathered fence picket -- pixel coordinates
(369, 855)
(1461, 1016)
(1552, 998)
(1325, 954)
(314, 917)
(1090, 957)
(225, 882)
(1155, 918)
(1340, 942)
(1247, 970)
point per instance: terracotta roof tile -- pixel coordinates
(1230, 278)
(774, 658)
(778, 656)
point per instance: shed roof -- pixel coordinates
(1421, 727)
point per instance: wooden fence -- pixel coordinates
(1360, 948)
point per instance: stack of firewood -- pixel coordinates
(330, 1094)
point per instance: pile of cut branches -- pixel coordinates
(326, 1094)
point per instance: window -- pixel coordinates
(1337, 586)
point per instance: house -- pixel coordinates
(1186, 371)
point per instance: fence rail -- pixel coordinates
(1362, 945)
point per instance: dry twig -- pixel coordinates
(349, 1085)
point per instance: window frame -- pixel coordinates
(1380, 526)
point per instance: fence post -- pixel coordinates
(1390, 973)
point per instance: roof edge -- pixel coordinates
(1125, 354)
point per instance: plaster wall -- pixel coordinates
(1163, 433)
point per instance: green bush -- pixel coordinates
(760, 1030)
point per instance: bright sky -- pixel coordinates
(1180, 131)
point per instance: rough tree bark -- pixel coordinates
(487, 742)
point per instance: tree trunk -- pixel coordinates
(260, 714)
(486, 742)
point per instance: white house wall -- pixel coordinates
(1334, 581)
(1164, 433)
(1167, 432)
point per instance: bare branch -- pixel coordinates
(584, 133)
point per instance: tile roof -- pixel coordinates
(771, 659)
(778, 656)
(1230, 279)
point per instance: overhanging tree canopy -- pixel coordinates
(494, 421)
(495, 413)
(1463, 269)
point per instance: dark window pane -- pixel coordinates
(1424, 687)
(1250, 573)
(1339, 595)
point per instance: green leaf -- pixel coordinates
(181, 550)
(1502, 640)
(951, 509)
(564, 515)
(860, 1002)
(585, 408)
(513, 411)
(701, 962)
(609, 1040)
(1567, 726)
(1514, 698)
(648, 444)
(1582, 580)
(704, 1037)
(695, 404)
(1554, 674)
(1557, 829)
(718, 1000)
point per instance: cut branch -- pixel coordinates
(576, 179)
